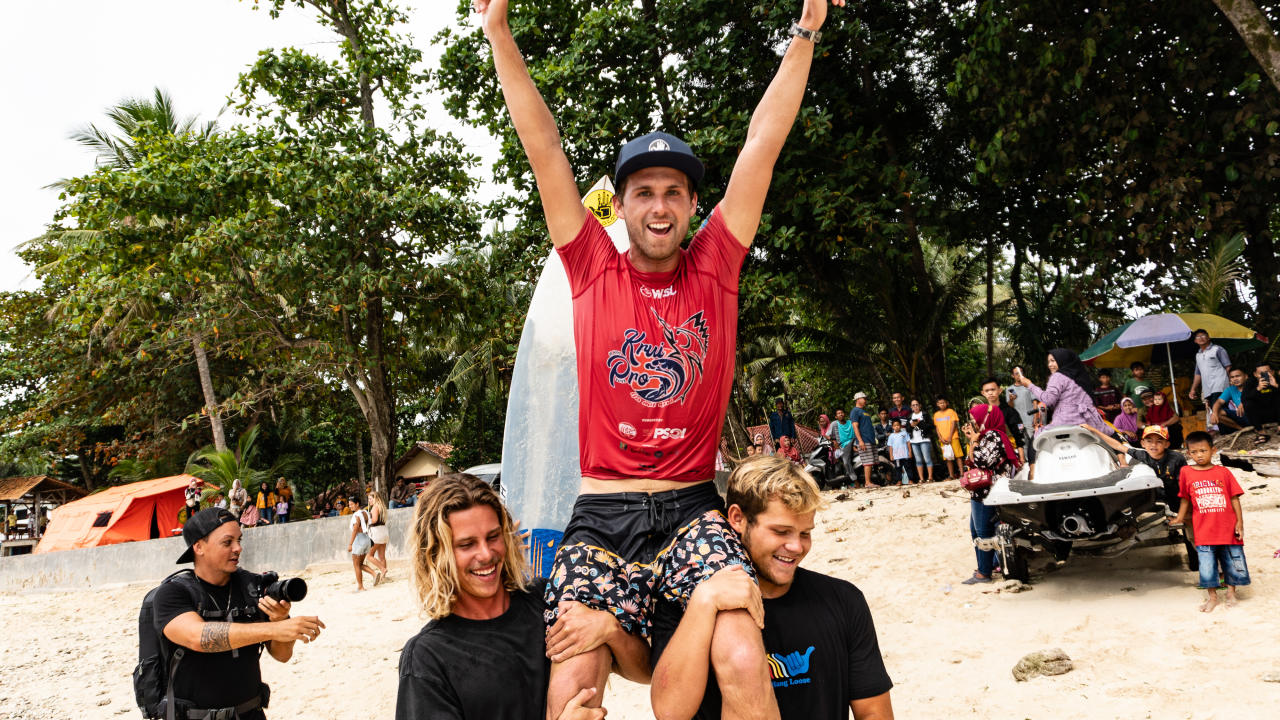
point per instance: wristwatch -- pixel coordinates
(813, 36)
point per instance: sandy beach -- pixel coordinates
(1140, 647)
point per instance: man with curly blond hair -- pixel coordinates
(823, 656)
(483, 654)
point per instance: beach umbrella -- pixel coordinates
(1164, 336)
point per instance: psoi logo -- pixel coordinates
(669, 433)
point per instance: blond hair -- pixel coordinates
(435, 573)
(377, 503)
(771, 477)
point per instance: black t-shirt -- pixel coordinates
(477, 669)
(1260, 406)
(211, 680)
(1167, 469)
(821, 645)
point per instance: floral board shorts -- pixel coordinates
(623, 552)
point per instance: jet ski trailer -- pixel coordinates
(1080, 499)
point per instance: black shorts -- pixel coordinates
(623, 551)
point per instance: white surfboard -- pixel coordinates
(540, 468)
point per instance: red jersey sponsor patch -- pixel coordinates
(655, 354)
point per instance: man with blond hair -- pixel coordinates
(820, 641)
(483, 653)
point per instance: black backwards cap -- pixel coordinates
(199, 527)
(658, 149)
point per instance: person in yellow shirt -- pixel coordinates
(947, 423)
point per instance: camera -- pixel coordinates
(269, 584)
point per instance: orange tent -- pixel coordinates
(137, 511)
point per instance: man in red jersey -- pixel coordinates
(656, 330)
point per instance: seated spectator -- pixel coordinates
(762, 447)
(1127, 421)
(787, 450)
(346, 507)
(1228, 410)
(1262, 397)
(1106, 397)
(1158, 411)
(398, 493)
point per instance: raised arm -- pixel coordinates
(535, 126)
(749, 183)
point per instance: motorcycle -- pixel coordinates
(826, 465)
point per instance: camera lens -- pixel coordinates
(291, 589)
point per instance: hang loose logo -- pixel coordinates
(792, 664)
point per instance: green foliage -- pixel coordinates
(219, 469)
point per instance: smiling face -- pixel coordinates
(217, 555)
(915, 406)
(478, 550)
(656, 204)
(1053, 364)
(1155, 445)
(897, 399)
(776, 541)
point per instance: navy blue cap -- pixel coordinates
(658, 149)
(200, 525)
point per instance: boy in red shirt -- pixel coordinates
(1213, 494)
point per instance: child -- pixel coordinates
(1137, 383)
(947, 423)
(900, 451)
(1155, 453)
(1106, 397)
(1213, 495)
(1159, 412)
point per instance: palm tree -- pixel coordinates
(131, 117)
(117, 149)
(219, 469)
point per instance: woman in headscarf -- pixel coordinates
(987, 452)
(1127, 421)
(1067, 393)
(238, 498)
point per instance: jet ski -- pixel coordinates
(1079, 499)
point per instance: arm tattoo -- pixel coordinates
(215, 637)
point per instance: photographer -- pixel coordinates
(218, 628)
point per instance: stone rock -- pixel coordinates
(1042, 662)
(1273, 677)
(1012, 586)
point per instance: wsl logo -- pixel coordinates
(661, 373)
(788, 669)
